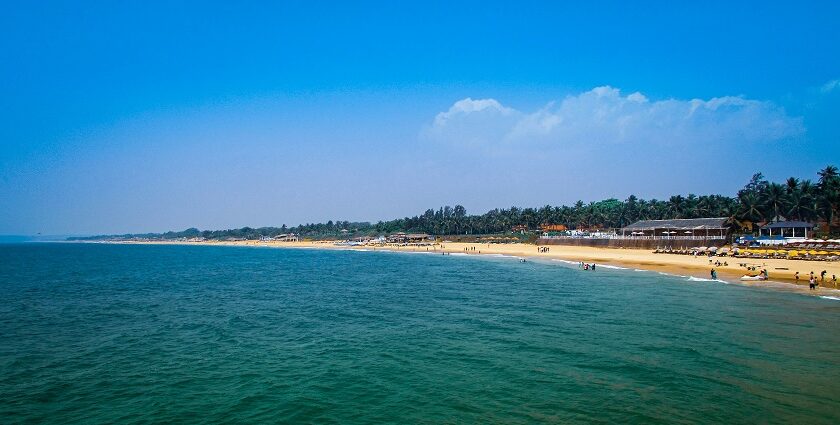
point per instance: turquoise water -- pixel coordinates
(187, 334)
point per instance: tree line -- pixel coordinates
(759, 201)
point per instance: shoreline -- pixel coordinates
(781, 271)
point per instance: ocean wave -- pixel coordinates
(607, 266)
(829, 297)
(566, 261)
(703, 279)
(502, 256)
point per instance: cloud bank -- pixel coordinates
(604, 116)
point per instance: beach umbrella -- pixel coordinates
(702, 248)
(713, 248)
(822, 253)
(687, 232)
(793, 253)
(812, 252)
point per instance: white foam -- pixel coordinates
(607, 266)
(671, 275)
(501, 256)
(574, 263)
(828, 297)
(701, 279)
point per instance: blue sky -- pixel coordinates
(150, 117)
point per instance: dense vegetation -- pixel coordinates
(759, 201)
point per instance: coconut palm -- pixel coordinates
(751, 207)
(775, 200)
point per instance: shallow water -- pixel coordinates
(130, 333)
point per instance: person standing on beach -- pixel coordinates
(834, 280)
(714, 274)
(796, 276)
(812, 283)
(822, 276)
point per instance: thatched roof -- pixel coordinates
(680, 223)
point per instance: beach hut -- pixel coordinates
(787, 229)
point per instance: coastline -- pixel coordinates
(780, 270)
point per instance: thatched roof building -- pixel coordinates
(680, 227)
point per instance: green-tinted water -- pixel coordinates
(109, 333)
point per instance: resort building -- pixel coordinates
(678, 229)
(401, 237)
(519, 228)
(792, 231)
(289, 237)
(546, 228)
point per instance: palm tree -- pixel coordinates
(775, 200)
(791, 184)
(829, 173)
(750, 207)
(690, 208)
(676, 206)
(829, 194)
(800, 206)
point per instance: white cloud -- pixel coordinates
(604, 116)
(830, 86)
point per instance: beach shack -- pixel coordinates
(519, 228)
(401, 237)
(545, 228)
(713, 228)
(789, 230)
(288, 237)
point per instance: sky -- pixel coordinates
(123, 117)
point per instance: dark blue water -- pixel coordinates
(188, 334)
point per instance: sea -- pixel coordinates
(105, 333)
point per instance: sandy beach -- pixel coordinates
(779, 270)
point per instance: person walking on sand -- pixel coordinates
(834, 280)
(796, 277)
(812, 283)
(822, 276)
(714, 274)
